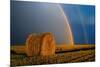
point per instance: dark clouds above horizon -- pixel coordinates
(82, 21)
(36, 17)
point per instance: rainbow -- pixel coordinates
(68, 27)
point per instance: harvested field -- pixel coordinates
(62, 56)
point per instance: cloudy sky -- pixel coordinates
(36, 17)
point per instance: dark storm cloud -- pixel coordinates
(32, 17)
(28, 17)
(82, 21)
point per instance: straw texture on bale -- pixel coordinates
(42, 44)
(48, 45)
(33, 45)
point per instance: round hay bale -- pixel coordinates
(48, 45)
(33, 45)
(41, 44)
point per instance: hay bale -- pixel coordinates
(33, 45)
(48, 45)
(42, 44)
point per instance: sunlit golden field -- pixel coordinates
(64, 54)
(51, 33)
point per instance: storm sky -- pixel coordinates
(36, 17)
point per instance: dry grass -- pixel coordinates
(18, 49)
(59, 48)
(64, 47)
(64, 54)
(67, 57)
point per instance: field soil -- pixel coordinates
(64, 54)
